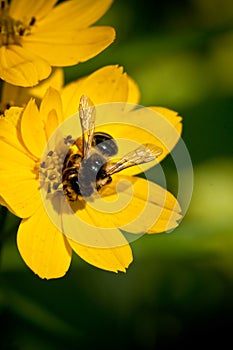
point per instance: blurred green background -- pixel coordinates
(178, 291)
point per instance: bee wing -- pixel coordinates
(143, 154)
(87, 115)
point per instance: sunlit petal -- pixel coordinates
(107, 84)
(81, 14)
(80, 228)
(24, 8)
(65, 48)
(51, 102)
(114, 259)
(32, 129)
(10, 133)
(132, 126)
(134, 205)
(175, 120)
(55, 80)
(43, 248)
(133, 92)
(20, 191)
(20, 67)
(19, 186)
(5, 204)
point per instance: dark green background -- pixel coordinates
(178, 291)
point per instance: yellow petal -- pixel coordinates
(19, 186)
(4, 204)
(65, 48)
(13, 151)
(20, 67)
(43, 248)
(176, 121)
(76, 14)
(10, 130)
(107, 84)
(134, 205)
(19, 191)
(25, 9)
(133, 92)
(128, 138)
(52, 123)
(12, 158)
(132, 127)
(51, 102)
(55, 80)
(32, 129)
(106, 249)
(114, 259)
(79, 228)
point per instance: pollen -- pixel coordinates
(11, 30)
(51, 165)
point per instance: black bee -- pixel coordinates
(87, 167)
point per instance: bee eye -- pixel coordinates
(105, 143)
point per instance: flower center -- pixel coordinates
(11, 30)
(50, 171)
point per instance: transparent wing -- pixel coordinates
(87, 115)
(143, 154)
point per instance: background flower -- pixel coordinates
(36, 35)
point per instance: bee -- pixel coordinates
(87, 166)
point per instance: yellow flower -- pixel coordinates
(24, 134)
(36, 35)
(13, 95)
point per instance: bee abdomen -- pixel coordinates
(87, 176)
(105, 143)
